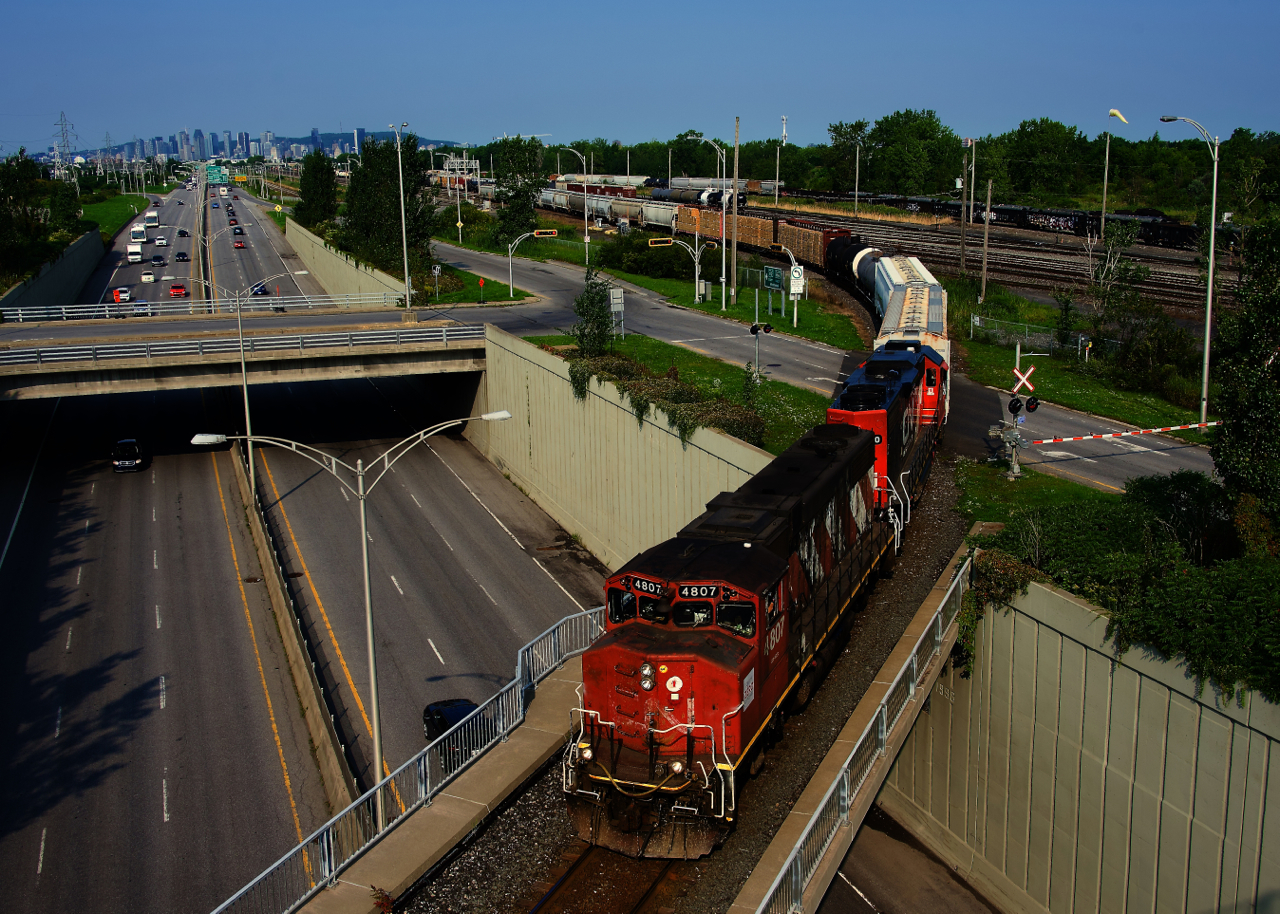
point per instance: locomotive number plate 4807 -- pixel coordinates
(709, 591)
(644, 586)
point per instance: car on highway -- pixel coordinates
(215, 204)
(237, 231)
(239, 244)
(232, 222)
(439, 717)
(179, 202)
(122, 294)
(181, 257)
(148, 276)
(177, 290)
(183, 233)
(157, 260)
(162, 241)
(141, 308)
(126, 456)
(260, 289)
(237, 197)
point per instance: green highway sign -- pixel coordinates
(773, 278)
(215, 174)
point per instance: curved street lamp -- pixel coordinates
(720, 153)
(404, 237)
(586, 232)
(1213, 226)
(330, 464)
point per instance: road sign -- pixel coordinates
(435, 270)
(1024, 378)
(797, 279)
(615, 299)
(279, 208)
(482, 283)
(773, 278)
(459, 224)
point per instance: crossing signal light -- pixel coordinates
(661, 242)
(1015, 406)
(756, 328)
(1032, 404)
(545, 233)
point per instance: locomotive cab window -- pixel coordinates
(772, 607)
(652, 610)
(690, 613)
(931, 377)
(622, 605)
(737, 618)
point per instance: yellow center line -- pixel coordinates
(293, 806)
(1047, 468)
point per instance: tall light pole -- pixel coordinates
(1213, 225)
(404, 237)
(1106, 170)
(586, 232)
(720, 154)
(330, 463)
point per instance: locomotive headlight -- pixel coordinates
(587, 754)
(677, 767)
(646, 684)
(646, 671)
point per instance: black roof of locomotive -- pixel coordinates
(684, 558)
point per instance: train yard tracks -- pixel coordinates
(593, 880)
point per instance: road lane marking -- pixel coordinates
(153, 477)
(68, 639)
(306, 572)
(859, 891)
(153, 514)
(40, 861)
(253, 638)
(437, 650)
(155, 559)
(78, 571)
(157, 615)
(415, 500)
(397, 583)
(486, 593)
(1066, 455)
(345, 496)
(92, 487)
(164, 787)
(27, 488)
(57, 727)
(161, 693)
(474, 495)
(1097, 482)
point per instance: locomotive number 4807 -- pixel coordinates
(699, 590)
(644, 586)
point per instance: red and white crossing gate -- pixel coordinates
(1145, 431)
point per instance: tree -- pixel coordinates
(371, 221)
(519, 181)
(594, 329)
(1113, 277)
(318, 190)
(1246, 448)
(842, 157)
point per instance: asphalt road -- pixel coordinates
(144, 767)
(464, 569)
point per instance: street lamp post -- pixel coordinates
(1106, 170)
(404, 237)
(795, 302)
(586, 231)
(361, 491)
(695, 253)
(720, 155)
(1213, 225)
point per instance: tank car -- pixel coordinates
(710, 637)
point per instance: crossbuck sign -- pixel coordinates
(1024, 377)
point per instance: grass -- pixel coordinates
(470, 292)
(844, 208)
(112, 215)
(985, 495)
(161, 189)
(788, 411)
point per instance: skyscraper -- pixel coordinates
(198, 149)
(315, 138)
(242, 143)
(227, 149)
(359, 140)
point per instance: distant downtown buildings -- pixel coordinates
(197, 146)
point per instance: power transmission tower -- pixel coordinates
(63, 147)
(110, 155)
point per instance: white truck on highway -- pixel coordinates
(151, 219)
(135, 253)
(138, 232)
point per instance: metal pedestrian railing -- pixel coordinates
(169, 307)
(786, 895)
(299, 342)
(317, 861)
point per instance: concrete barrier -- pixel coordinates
(60, 280)
(1062, 778)
(620, 485)
(339, 273)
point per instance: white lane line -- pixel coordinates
(859, 891)
(415, 500)
(397, 583)
(86, 526)
(31, 476)
(828, 380)
(153, 514)
(157, 615)
(474, 495)
(155, 559)
(547, 572)
(153, 477)
(1067, 455)
(78, 573)
(345, 496)
(57, 727)
(437, 650)
(162, 697)
(92, 486)
(40, 861)
(486, 593)
(164, 786)
(68, 639)
(370, 536)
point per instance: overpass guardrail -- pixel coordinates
(298, 342)
(317, 861)
(786, 895)
(170, 307)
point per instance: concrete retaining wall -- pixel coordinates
(619, 485)
(339, 273)
(1060, 778)
(59, 282)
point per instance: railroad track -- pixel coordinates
(593, 880)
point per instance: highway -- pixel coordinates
(464, 568)
(153, 759)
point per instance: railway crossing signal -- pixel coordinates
(545, 233)
(756, 328)
(1015, 406)
(1032, 404)
(1024, 377)
(661, 242)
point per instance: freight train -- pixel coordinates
(714, 636)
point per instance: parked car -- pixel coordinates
(148, 276)
(126, 456)
(121, 294)
(440, 717)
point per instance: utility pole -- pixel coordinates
(777, 174)
(857, 173)
(734, 258)
(986, 233)
(973, 176)
(964, 174)
(1106, 169)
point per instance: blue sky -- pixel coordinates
(469, 72)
